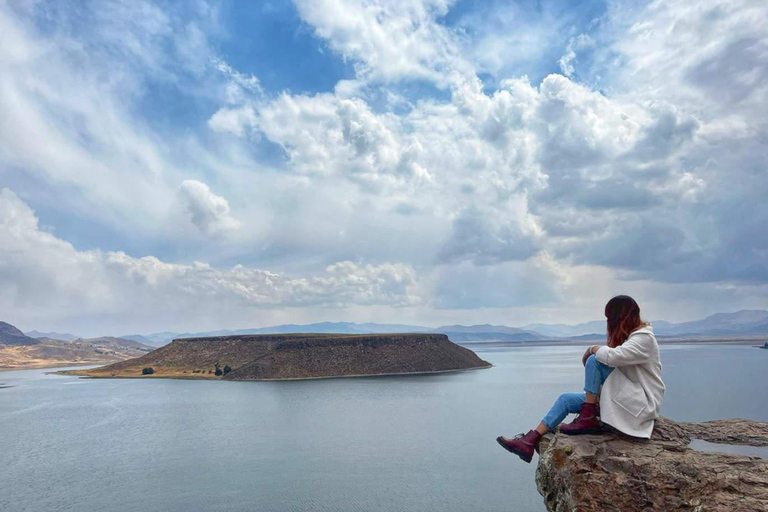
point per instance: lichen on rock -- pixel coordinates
(612, 472)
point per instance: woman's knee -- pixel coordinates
(591, 361)
(571, 400)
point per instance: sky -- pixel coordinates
(202, 165)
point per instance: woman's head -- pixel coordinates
(623, 315)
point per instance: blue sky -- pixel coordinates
(202, 165)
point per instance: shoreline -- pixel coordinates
(190, 377)
(53, 365)
(756, 342)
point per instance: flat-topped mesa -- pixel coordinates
(297, 356)
(610, 472)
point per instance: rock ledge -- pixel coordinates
(611, 472)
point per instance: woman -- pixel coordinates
(624, 377)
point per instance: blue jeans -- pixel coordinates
(595, 374)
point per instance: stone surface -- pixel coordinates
(612, 472)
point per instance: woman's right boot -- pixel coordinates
(585, 423)
(522, 445)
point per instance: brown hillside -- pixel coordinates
(298, 356)
(11, 336)
(49, 352)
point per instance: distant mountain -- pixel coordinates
(747, 321)
(486, 332)
(159, 339)
(455, 332)
(588, 337)
(758, 329)
(109, 342)
(162, 338)
(145, 340)
(10, 335)
(20, 351)
(332, 327)
(460, 337)
(483, 328)
(567, 331)
(53, 335)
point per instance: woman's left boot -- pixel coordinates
(585, 423)
(522, 445)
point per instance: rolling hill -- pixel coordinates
(63, 336)
(21, 351)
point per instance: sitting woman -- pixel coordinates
(624, 377)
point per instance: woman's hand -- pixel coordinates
(588, 353)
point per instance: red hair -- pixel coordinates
(623, 315)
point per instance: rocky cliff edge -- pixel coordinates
(611, 472)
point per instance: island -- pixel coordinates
(295, 356)
(615, 473)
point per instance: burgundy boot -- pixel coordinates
(585, 423)
(522, 445)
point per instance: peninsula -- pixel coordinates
(295, 356)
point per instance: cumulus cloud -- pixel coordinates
(207, 211)
(640, 165)
(44, 276)
(501, 170)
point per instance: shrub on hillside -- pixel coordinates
(147, 371)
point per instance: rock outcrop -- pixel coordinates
(298, 356)
(611, 472)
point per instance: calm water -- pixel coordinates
(376, 444)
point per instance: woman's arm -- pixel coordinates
(590, 351)
(636, 350)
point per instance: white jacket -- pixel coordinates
(632, 393)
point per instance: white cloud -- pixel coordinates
(324, 135)
(208, 212)
(70, 109)
(490, 167)
(654, 178)
(568, 59)
(389, 41)
(707, 55)
(44, 278)
(234, 120)
(242, 92)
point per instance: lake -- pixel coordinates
(418, 443)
